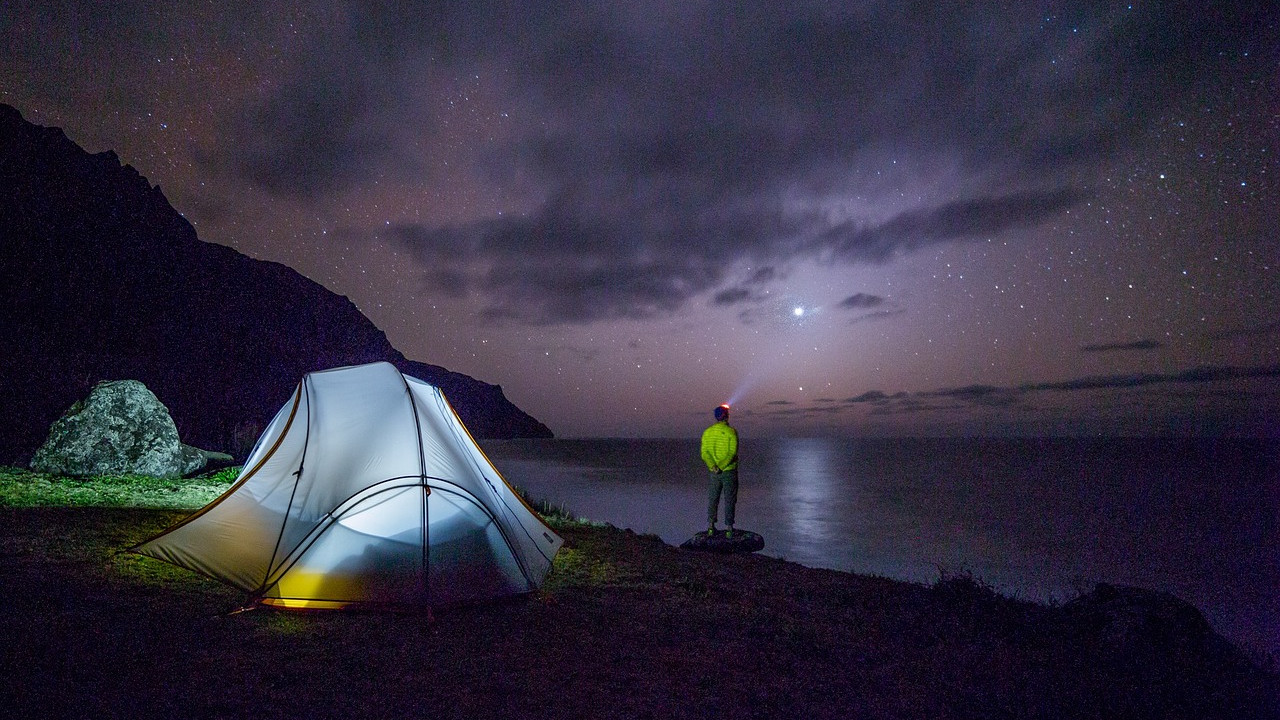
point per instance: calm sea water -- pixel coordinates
(1037, 519)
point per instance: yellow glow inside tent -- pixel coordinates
(298, 584)
(296, 604)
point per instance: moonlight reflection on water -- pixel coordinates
(1038, 519)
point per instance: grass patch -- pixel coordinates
(555, 514)
(20, 487)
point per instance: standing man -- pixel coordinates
(720, 453)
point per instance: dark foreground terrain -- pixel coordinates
(625, 627)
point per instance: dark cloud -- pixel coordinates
(581, 294)
(746, 96)
(312, 138)
(555, 268)
(336, 104)
(568, 266)
(1267, 328)
(1194, 375)
(744, 293)
(861, 301)
(1112, 347)
(748, 291)
(676, 132)
(905, 406)
(986, 395)
(731, 296)
(961, 220)
(996, 396)
(878, 315)
(1014, 406)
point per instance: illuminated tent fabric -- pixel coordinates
(365, 488)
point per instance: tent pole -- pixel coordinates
(293, 493)
(426, 490)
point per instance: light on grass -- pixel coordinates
(20, 487)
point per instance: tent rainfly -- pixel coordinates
(366, 489)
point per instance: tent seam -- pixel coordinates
(297, 479)
(244, 477)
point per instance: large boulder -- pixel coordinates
(121, 428)
(1137, 619)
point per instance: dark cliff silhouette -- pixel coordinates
(101, 279)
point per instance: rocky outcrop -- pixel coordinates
(1128, 615)
(121, 428)
(103, 279)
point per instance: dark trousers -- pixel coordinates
(726, 482)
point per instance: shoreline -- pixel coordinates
(20, 487)
(1044, 519)
(625, 626)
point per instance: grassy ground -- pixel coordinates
(625, 626)
(24, 488)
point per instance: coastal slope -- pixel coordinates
(625, 626)
(103, 280)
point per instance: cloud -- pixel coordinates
(567, 266)
(551, 269)
(986, 395)
(745, 293)
(1205, 374)
(961, 220)
(731, 296)
(649, 148)
(1112, 347)
(995, 395)
(861, 301)
(1258, 330)
(1015, 405)
(329, 116)
(312, 144)
(879, 315)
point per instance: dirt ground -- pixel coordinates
(625, 627)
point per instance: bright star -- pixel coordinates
(798, 312)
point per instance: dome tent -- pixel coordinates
(365, 488)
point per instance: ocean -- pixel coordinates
(1039, 519)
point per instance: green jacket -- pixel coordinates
(720, 446)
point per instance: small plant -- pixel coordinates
(961, 582)
(551, 512)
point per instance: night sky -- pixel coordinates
(847, 218)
